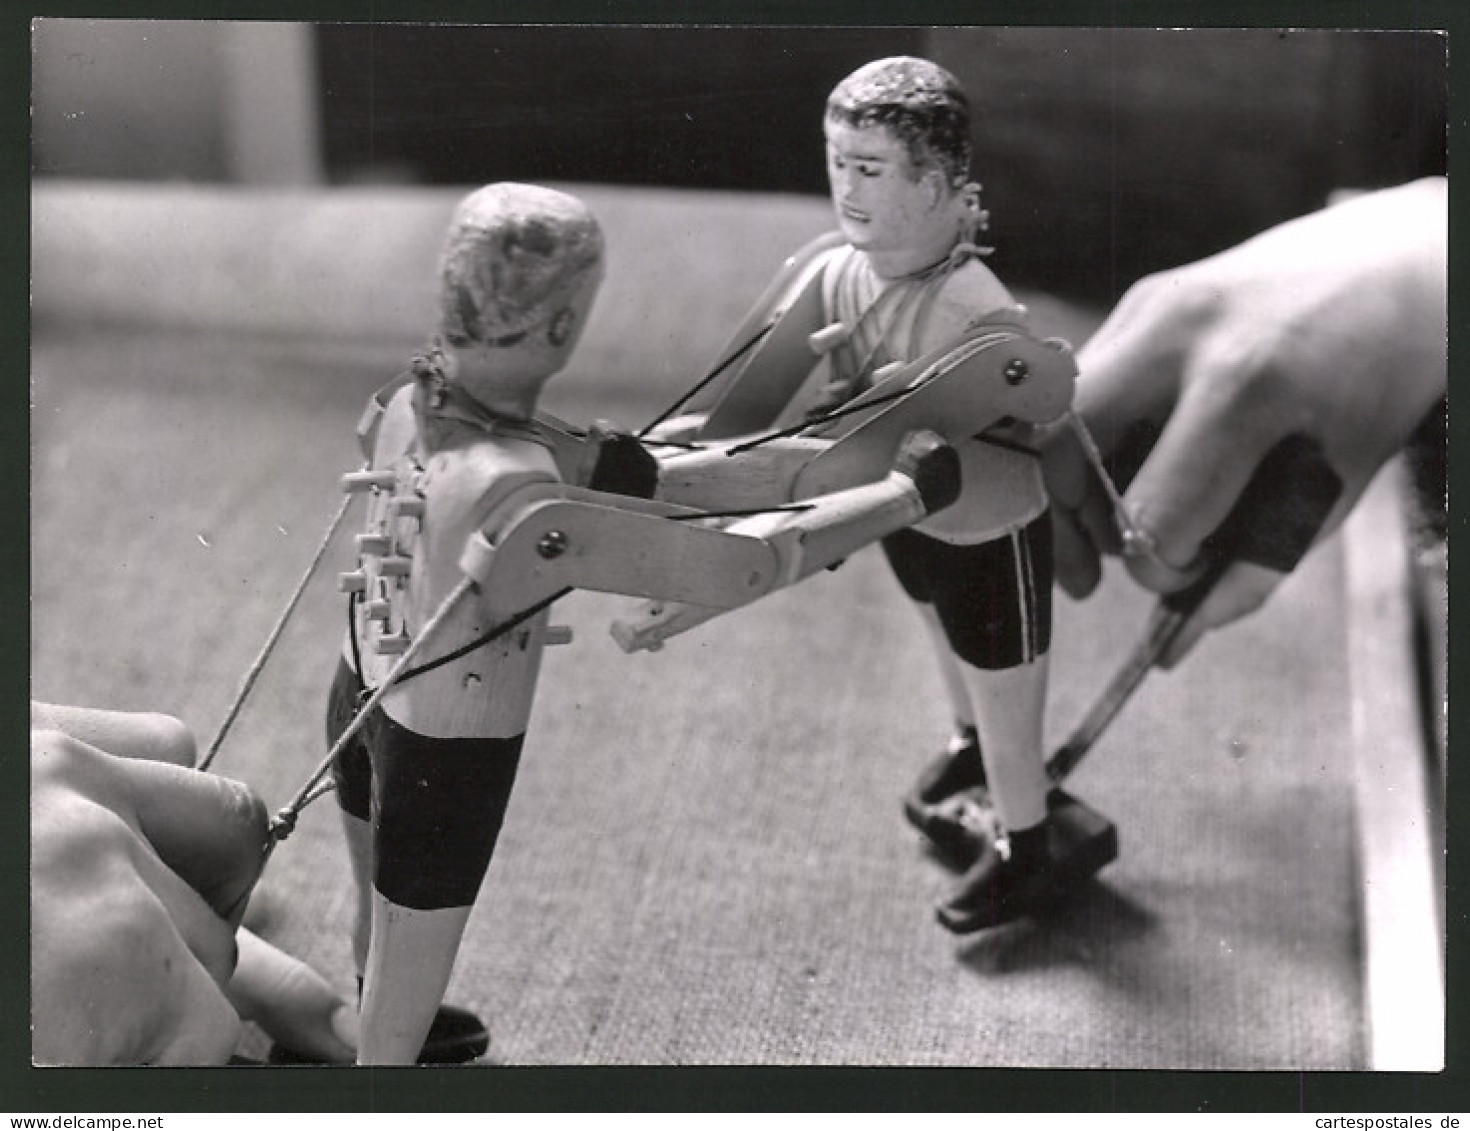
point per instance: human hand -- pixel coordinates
(292, 1002)
(1332, 325)
(287, 998)
(139, 873)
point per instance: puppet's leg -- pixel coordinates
(407, 974)
(986, 612)
(352, 776)
(1023, 871)
(959, 766)
(438, 804)
(358, 833)
(995, 603)
(1009, 709)
(455, 1035)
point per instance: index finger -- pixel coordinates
(1130, 368)
(1208, 451)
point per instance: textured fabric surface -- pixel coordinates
(704, 859)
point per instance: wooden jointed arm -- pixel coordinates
(925, 477)
(987, 377)
(547, 539)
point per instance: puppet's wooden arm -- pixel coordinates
(989, 376)
(925, 478)
(549, 538)
(992, 375)
(717, 477)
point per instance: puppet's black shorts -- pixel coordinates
(993, 598)
(436, 804)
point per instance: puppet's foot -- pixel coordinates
(1000, 887)
(960, 827)
(1042, 866)
(949, 803)
(456, 1037)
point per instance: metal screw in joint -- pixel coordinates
(1016, 371)
(553, 544)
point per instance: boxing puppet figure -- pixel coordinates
(480, 514)
(906, 282)
(424, 787)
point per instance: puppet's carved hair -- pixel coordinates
(921, 102)
(513, 255)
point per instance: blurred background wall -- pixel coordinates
(1104, 153)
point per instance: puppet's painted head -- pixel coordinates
(920, 102)
(516, 257)
(898, 157)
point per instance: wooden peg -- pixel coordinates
(828, 338)
(368, 481)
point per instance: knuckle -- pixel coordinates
(1150, 291)
(1248, 381)
(1175, 295)
(57, 758)
(1244, 376)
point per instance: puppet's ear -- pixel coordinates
(936, 187)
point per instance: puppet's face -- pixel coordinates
(884, 205)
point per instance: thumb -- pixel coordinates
(1242, 589)
(292, 1002)
(210, 830)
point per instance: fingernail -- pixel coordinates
(344, 1025)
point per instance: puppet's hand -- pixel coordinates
(1332, 325)
(621, 464)
(677, 430)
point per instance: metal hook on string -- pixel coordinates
(1137, 542)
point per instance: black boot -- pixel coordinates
(958, 767)
(1011, 877)
(1031, 869)
(457, 1036)
(950, 804)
